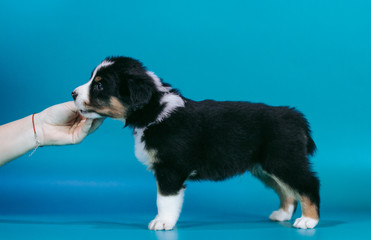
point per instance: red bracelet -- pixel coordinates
(35, 135)
(33, 123)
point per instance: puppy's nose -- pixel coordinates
(74, 95)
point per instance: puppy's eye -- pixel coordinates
(98, 87)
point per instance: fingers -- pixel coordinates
(70, 105)
(80, 130)
(87, 124)
(60, 114)
(90, 125)
(96, 124)
(69, 125)
(86, 127)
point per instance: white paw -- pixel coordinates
(280, 215)
(161, 224)
(305, 222)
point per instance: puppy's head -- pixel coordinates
(117, 86)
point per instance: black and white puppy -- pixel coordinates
(180, 139)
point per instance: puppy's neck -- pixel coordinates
(160, 107)
(140, 118)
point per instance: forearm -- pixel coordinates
(60, 124)
(17, 138)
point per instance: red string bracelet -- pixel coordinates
(35, 135)
(33, 124)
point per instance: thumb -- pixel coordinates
(95, 124)
(86, 127)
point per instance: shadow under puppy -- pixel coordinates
(180, 139)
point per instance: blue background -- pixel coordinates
(314, 55)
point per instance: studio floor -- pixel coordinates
(345, 225)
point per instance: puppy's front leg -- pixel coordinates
(169, 207)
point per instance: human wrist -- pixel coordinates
(38, 124)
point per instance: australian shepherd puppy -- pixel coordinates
(180, 139)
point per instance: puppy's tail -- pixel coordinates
(311, 146)
(304, 124)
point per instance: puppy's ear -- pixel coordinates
(140, 92)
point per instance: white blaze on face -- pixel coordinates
(83, 93)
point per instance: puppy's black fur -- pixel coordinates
(211, 140)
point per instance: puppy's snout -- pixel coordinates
(74, 95)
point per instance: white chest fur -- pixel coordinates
(144, 155)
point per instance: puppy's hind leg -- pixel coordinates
(305, 186)
(309, 201)
(287, 198)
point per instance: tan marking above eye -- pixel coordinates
(97, 79)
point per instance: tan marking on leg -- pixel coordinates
(308, 208)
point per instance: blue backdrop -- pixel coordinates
(314, 55)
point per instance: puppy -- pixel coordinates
(180, 139)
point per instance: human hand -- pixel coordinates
(62, 124)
